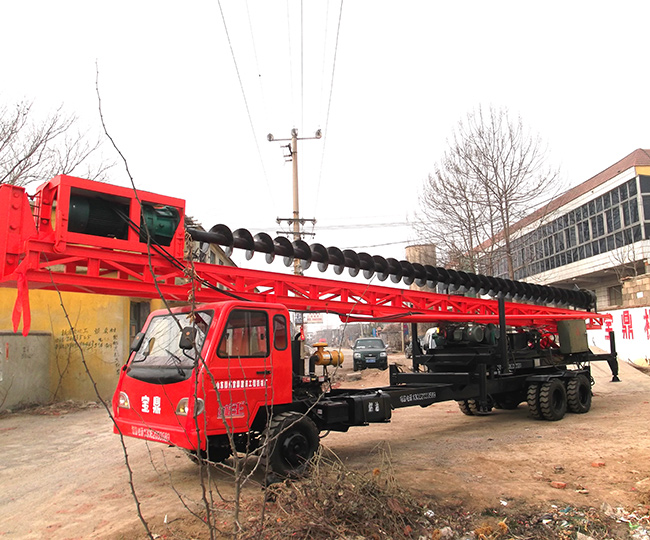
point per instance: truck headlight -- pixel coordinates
(357, 356)
(183, 407)
(184, 404)
(382, 355)
(199, 406)
(123, 401)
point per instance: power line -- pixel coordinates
(329, 103)
(248, 112)
(290, 55)
(383, 244)
(364, 225)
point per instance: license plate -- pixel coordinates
(370, 360)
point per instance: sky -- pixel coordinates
(189, 92)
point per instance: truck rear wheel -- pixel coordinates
(578, 392)
(292, 443)
(553, 400)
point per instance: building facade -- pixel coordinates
(595, 236)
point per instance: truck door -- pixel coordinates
(242, 371)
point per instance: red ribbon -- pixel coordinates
(21, 307)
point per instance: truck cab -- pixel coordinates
(203, 378)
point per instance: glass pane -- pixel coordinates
(280, 339)
(626, 213)
(645, 184)
(634, 210)
(599, 204)
(622, 191)
(246, 335)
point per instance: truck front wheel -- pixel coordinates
(292, 443)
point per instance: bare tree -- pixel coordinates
(492, 174)
(33, 149)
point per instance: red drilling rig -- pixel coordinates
(224, 373)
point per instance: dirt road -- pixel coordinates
(62, 475)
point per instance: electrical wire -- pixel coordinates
(290, 56)
(322, 74)
(329, 103)
(257, 62)
(302, 67)
(364, 225)
(248, 112)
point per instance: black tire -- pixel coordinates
(384, 367)
(464, 408)
(473, 405)
(215, 454)
(355, 367)
(218, 453)
(553, 400)
(293, 441)
(532, 398)
(508, 402)
(578, 394)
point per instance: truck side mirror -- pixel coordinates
(188, 336)
(137, 341)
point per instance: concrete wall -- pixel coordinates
(101, 326)
(24, 369)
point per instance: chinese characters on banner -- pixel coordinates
(626, 323)
(631, 328)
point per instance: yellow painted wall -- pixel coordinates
(101, 326)
(643, 170)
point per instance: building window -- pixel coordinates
(615, 295)
(139, 311)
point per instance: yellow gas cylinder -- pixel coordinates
(326, 358)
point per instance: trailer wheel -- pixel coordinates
(578, 393)
(553, 400)
(475, 408)
(464, 407)
(508, 402)
(532, 398)
(293, 441)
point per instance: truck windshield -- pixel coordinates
(160, 358)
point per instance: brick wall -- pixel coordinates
(636, 291)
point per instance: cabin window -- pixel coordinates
(280, 337)
(246, 335)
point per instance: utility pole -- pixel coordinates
(296, 221)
